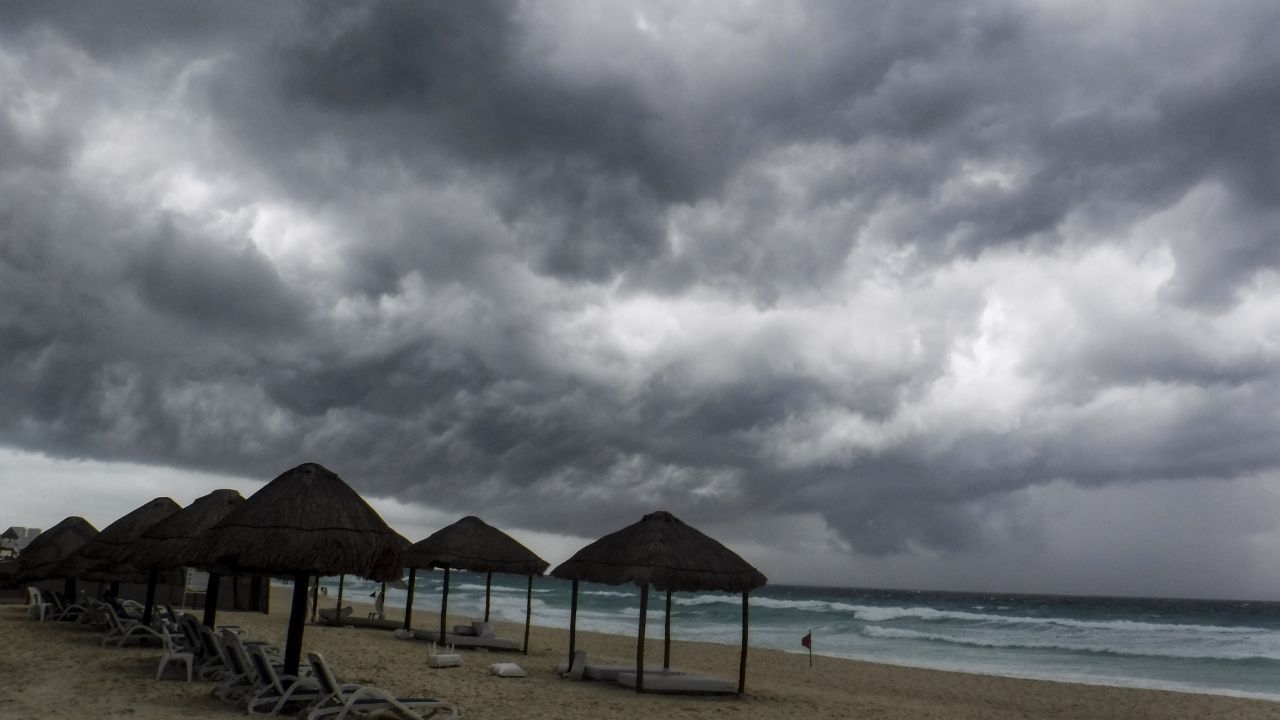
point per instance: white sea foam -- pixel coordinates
(884, 614)
(1090, 644)
(608, 593)
(876, 613)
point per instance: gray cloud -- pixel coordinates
(894, 266)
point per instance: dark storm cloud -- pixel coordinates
(184, 276)
(886, 263)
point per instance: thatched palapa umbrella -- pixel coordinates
(40, 560)
(663, 552)
(168, 544)
(472, 544)
(305, 522)
(98, 559)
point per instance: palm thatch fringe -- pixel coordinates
(307, 521)
(41, 558)
(97, 559)
(168, 543)
(662, 551)
(472, 544)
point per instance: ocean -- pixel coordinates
(1201, 646)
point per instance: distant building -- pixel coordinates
(14, 539)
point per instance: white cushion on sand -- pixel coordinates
(507, 669)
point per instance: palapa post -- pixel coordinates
(444, 603)
(315, 598)
(408, 601)
(666, 634)
(488, 591)
(210, 616)
(644, 615)
(305, 522)
(528, 613)
(661, 551)
(337, 615)
(573, 624)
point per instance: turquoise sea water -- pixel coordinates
(1205, 646)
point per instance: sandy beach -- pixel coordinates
(58, 670)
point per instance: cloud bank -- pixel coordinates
(897, 270)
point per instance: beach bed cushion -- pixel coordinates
(327, 615)
(468, 642)
(610, 673)
(507, 669)
(484, 643)
(680, 684)
(378, 624)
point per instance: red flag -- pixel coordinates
(807, 640)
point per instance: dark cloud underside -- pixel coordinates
(887, 263)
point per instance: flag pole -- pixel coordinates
(810, 647)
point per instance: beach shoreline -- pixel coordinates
(53, 669)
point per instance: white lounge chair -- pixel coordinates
(575, 668)
(341, 701)
(36, 605)
(174, 654)
(213, 663)
(63, 609)
(123, 631)
(240, 679)
(276, 691)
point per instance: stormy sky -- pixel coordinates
(973, 295)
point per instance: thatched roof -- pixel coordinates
(663, 552)
(472, 544)
(167, 544)
(96, 559)
(40, 559)
(306, 521)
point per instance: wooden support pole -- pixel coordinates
(444, 604)
(644, 615)
(488, 588)
(315, 599)
(337, 616)
(742, 661)
(211, 601)
(297, 620)
(150, 605)
(573, 623)
(666, 635)
(528, 614)
(408, 601)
